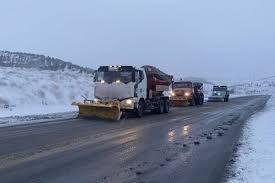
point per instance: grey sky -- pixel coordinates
(209, 38)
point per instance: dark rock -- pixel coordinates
(224, 128)
(168, 159)
(138, 173)
(197, 143)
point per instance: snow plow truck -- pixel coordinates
(127, 89)
(187, 93)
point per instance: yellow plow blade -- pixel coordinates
(109, 110)
(179, 102)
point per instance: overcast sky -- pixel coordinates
(231, 39)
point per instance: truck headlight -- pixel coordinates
(129, 102)
(173, 94)
(187, 94)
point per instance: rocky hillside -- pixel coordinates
(41, 62)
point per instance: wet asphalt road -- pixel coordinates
(190, 144)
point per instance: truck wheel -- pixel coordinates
(166, 106)
(140, 109)
(192, 102)
(161, 107)
(202, 101)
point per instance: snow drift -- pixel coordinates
(22, 89)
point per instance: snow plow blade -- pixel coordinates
(179, 102)
(106, 110)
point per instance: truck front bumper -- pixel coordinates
(178, 101)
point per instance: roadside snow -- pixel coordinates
(255, 162)
(33, 92)
(35, 109)
(29, 119)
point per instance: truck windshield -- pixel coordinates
(114, 76)
(182, 85)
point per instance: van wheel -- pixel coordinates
(140, 109)
(161, 107)
(166, 106)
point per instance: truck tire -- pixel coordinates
(192, 102)
(202, 100)
(166, 106)
(161, 106)
(140, 109)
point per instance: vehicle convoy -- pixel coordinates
(219, 93)
(123, 89)
(187, 93)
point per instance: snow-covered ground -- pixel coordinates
(31, 91)
(255, 162)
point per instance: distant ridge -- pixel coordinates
(41, 62)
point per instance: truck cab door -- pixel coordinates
(141, 84)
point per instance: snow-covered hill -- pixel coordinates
(41, 62)
(36, 91)
(261, 86)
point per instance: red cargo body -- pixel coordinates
(157, 81)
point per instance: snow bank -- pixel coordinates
(262, 86)
(31, 91)
(256, 157)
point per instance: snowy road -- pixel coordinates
(187, 145)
